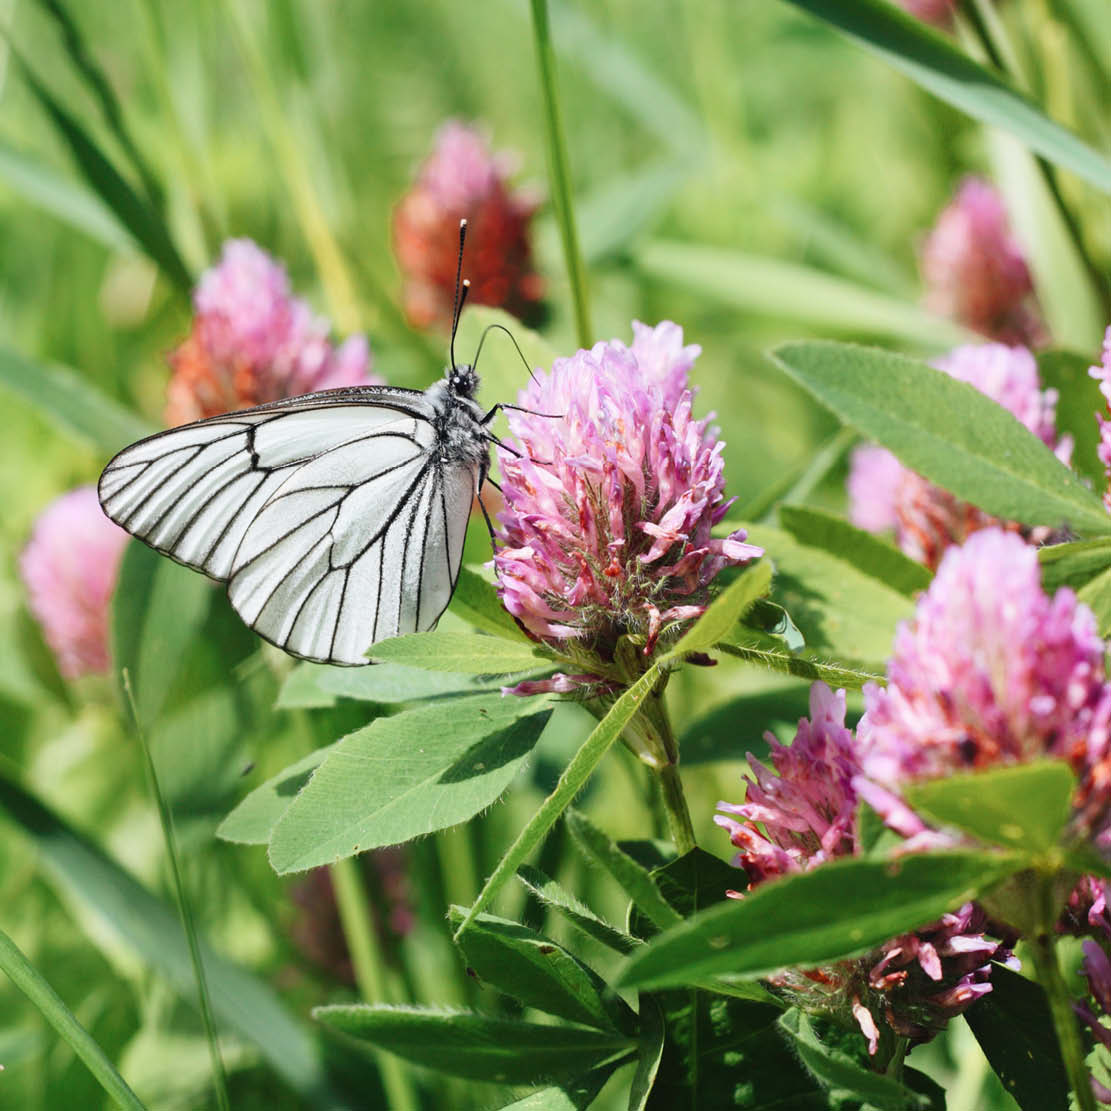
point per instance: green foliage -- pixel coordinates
(466, 653)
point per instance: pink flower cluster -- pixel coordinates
(883, 494)
(975, 271)
(69, 567)
(803, 815)
(252, 341)
(462, 178)
(1102, 374)
(993, 671)
(608, 509)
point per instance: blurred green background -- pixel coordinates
(738, 168)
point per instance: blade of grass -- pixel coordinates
(219, 1079)
(559, 172)
(26, 977)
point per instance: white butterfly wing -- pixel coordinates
(331, 517)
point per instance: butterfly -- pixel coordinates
(337, 519)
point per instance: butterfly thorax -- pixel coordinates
(458, 420)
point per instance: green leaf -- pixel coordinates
(947, 431)
(407, 775)
(793, 291)
(1023, 807)
(26, 977)
(840, 1075)
(157, 610)
(71, 402)
(476, 600)
(529, 967)
(577, 772)
(45, 188)
(252, 822)
(316, 685)
(1074, 564)
(650, 1053)
(126, 911)
(843, 908)
(635, 881)
(552, 895)
(697, 880)
(462, 1043)
(572, 1095)
(1078, 399)
(812, 668)
(468, 653)
(723, 613)
(143, 222)
(1096, 594)
(842, 611)
(869, 554)
(930, 58)
(1015, 1030)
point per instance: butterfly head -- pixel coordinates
(462, 380)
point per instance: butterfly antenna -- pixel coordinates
(461, 287)
(513, 339)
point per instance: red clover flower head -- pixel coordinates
(463, 178)
(69, 567)
(884, 494)
(609, 506)
(252, 341)
(993, 671)
(803, 815)
(975, 271)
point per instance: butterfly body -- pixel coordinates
(336, 519)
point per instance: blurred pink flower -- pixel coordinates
(975, 271)
(69, 567)
(463, 179)
(927, 519)
(1102, 374)
(803, 815)
(252, 342)
(991, 671)
(608, 509)
(937, 12)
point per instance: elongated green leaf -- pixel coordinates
(476, 600)
(157, 610)
(1074, 564)
(552, 895)
(572, 1095)
(934, 62)
(1078, 398)
(461, 1043)
(313, 685)
(867, 553)
(468, 653)
(26, 977)
(1023, 807)
(144, 224)
(45, 188)
(635, 881)
(1015, 1030)
(252, 822)
(725, 610)
(577, 772)
(129, 912)
(650, 1053)
(947, 431)
(72, 402)
(407, 775)
(1096, 594)
(841, 909)
(812, 668)
(535, 970)
(792, 291)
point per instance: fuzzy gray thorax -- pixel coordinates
(462, 437)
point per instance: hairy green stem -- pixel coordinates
(219, 1078)
(560, 174)
(26, 977)
(353, 904)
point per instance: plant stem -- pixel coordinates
(366, 958)
(219, 1079)
(559, 172)
(27, 978)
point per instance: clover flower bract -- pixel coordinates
(609, 507)
(803, 815)
(927, 519)
(463, 179)
(253, 342)
(69, 567)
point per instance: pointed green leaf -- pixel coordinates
(756, 650)
(946, 430)
(843, 908)
(462, 1043)
(934, 62)
(571, 1095)
(1022, 807)
(723, 613)
(313, 685)
(468, 653)
(407, 775)
(1096, 595)
(552, 895)
(650, 1053)
(1078, 399)
(476, 601)
(1074, 564)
